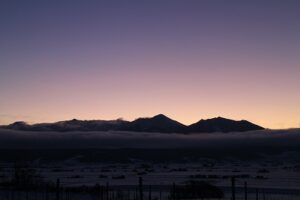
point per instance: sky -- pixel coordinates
(186, 59)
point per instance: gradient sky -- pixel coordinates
(187, 59)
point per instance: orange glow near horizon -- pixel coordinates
(267, 118)
(192, 60)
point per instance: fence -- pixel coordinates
(143, 192)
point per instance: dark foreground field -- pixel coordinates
(110, 166)
(272, 173)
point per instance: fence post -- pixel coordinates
(107, 191)
(150, 192)
(233, 187)
(246, 190)
(101, 192)
(160, 193)
(12, 193)
(141, 188)
(57, 188)
(256, 194)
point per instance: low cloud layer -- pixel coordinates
(256, 139)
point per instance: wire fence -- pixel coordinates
(142, 191)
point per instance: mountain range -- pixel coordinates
(159, 123)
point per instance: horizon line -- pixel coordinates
(148, 117)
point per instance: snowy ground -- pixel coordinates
(267, 160)
(279, 181)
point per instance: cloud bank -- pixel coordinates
(255, 139)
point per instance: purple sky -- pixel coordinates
(186, 59)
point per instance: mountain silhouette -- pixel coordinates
(88, 125)
(72, 125)
(220, 124)
(20, 125)
(159, 123)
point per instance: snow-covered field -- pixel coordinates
(278, 181)
(256, 175)
(269, 161)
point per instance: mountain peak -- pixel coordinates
(19, 125)
(220, 124)
(160, 116)
(158, 123)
